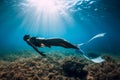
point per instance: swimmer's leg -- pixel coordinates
(66, 44)
(61, 42)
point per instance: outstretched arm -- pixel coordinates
(35, 48)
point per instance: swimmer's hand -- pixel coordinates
(41, 53)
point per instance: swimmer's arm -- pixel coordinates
(35, 48)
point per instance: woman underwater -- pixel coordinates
(37, 42)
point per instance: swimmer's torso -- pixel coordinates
(37, 42)
(47, 42)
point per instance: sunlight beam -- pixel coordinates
(40, 5)
(49, 16)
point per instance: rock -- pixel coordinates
(74, 69)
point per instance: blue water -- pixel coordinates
(74, 20)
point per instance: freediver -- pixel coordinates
(37, 42)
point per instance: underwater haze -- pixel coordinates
(76, 21)
(88, 48)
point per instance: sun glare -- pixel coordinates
(46, 16)
(48, 5)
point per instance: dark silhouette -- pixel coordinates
(36, 42)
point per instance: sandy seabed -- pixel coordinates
(57, 67)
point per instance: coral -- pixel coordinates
(108, 58)
(104, 71)
(57, 67)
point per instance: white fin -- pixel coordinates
(94, 37)
(97, 36)
(95, 60)
(98, 60)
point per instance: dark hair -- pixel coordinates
(26, 37)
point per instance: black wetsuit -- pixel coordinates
(52, 42)
(34, 42)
